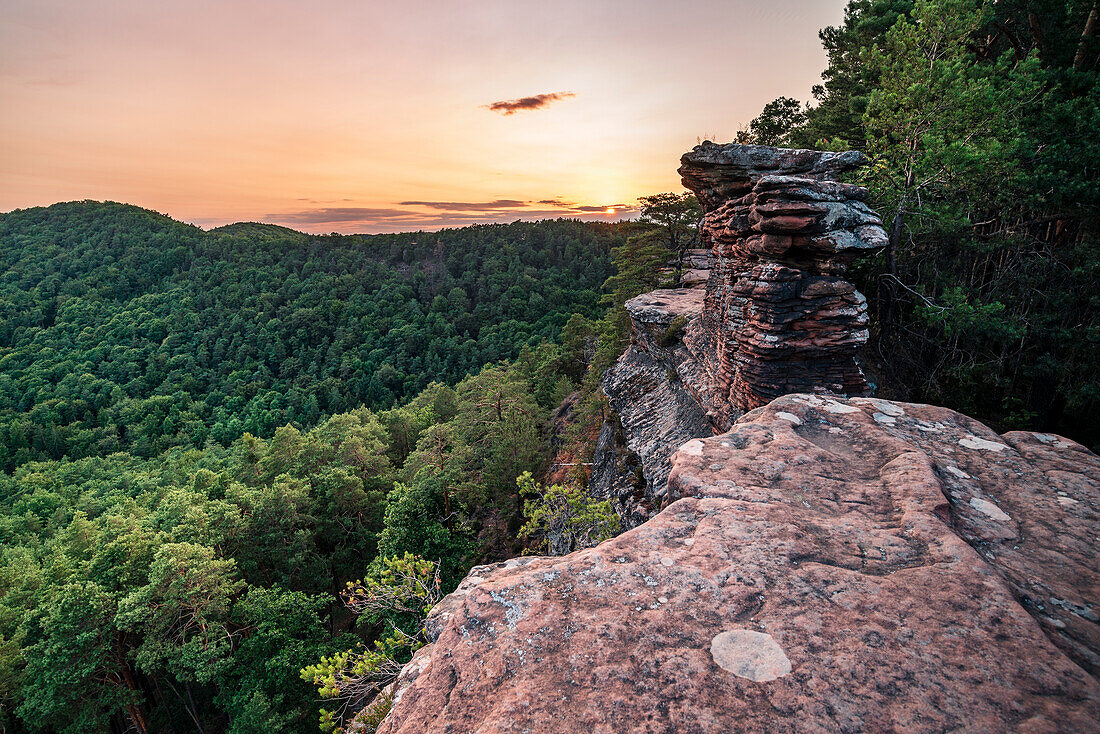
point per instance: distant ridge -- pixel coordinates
(257, 229)
(91, 209)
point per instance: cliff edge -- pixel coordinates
(776, 314)
(828, 564)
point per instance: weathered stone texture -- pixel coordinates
(777, 316)
(649, 390)
(783, 234)
(828, 564)
(617, 476)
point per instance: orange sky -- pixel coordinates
(367, 116)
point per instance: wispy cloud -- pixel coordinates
(411, 215)
(333, 215)
(537, 102)
(588, 209)
(466, 206)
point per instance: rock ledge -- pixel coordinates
(826, 565)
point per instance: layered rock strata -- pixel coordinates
(778, 315)
(783, 234)
(827, 565)
(657, 411)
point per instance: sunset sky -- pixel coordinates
(373, 116)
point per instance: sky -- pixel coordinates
(367, 116)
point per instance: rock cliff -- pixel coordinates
(828, 564)
(650, 389)
(783, 234)
(777, 316)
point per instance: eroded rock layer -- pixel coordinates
(783, 233)
(777, 317)
(651, 390)
(827, 565)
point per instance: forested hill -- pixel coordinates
(122, 329)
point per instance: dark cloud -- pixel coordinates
(468, 206)
(512, 106)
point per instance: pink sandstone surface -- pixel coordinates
(828, 564)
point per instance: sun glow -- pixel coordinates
(418, 128)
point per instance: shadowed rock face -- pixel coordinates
(827, 565)
(777, 316)
(782, 316)
(651, 390)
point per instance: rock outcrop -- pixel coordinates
(783, 234)
(778, 315)
(828, 564)
(649, 390)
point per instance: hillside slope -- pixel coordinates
(122, 329)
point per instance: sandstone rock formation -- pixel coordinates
(778, 316)
(827, 565)
(783, 235)
(657, 413)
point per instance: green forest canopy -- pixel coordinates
(206, 435)
(193, 478)
(121, 329)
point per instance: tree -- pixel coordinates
(638, 262)
(280, 633)
(677, 216)
(399, 592)
(136, 333)
(501, 423)
(578, 341)
(414, 524)
(774, 124)
(938, 120)
(438, 458)
(181, 617)
(79, 677)
(562, 519)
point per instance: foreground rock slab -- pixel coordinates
(827, 565)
